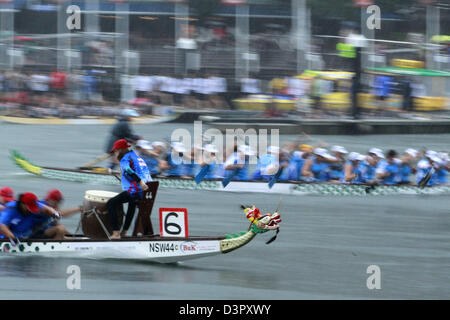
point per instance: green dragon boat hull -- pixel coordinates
(329, 189)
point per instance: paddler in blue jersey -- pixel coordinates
(297, 161)
(352, 169)
(337, 166)
(317, 168)
(44, 227)
(209, 168)
(151, 153)
(389, 172)
(369, 165)
(268, 164)
(237, 163)
(442, 172)
(18, 218)
(135, 175)
(406, 165)
(177, 160)
(431, 164)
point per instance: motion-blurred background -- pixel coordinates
(281, 57)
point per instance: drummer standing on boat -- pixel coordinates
(135, 175)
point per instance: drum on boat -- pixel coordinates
(94, 209)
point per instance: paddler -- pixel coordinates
(135, 175)
(237, 163)
(369, 165)
(433, 164)
(337, 166)
(177, 159)
(45, 228)
(18, 218)
(209, 166)
(352, 170)
(389, 172)
(317, 167)
(151, 154)
(122, 130)
(406, 165)
(297, 161)
(268, 164)
(6, 196)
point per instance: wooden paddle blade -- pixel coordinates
(275, 177)
(426, 179)
(274, 237)
(202, 174)
(96, 160)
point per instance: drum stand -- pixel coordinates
(143, 224)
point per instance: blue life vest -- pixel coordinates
(321, 170)
(405, 171)
(336, 171)
(368, 172)
(356, 171)
(393, 177)
(294, 168)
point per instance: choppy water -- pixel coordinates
(322, 252)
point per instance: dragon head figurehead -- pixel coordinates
(262, 222)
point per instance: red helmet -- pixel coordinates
(31, 201)
(120, 144)
(7, 194)
(54, 194)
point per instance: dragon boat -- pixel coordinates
(94, 242)
(103, 177)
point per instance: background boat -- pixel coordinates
(101, 176)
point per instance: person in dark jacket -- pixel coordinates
(122, 130)
(407, 95)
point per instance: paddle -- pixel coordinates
(228, 179)
(96, 160)
(202, 174)
(278, 230)
(275, 177)
(423, 182)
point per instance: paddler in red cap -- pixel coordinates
(6, 195)
(17, 220)
(44, 227)
(135, 175)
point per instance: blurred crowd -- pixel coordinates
(57, 94)
(96, 93)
